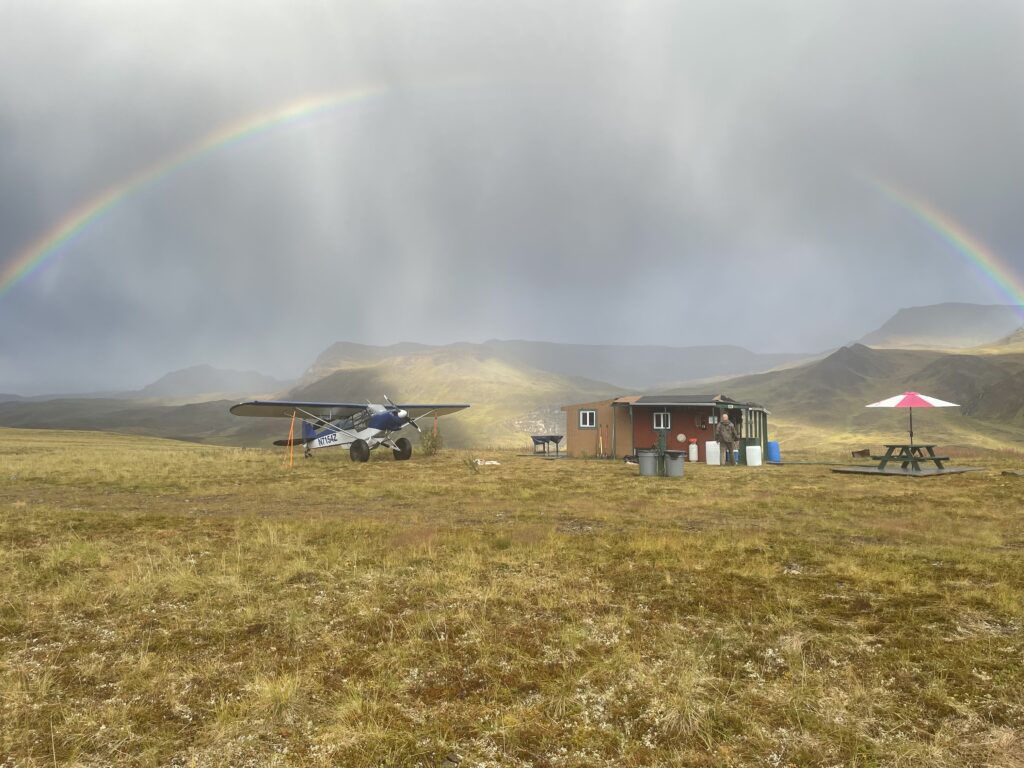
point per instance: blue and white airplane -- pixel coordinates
(362, 427)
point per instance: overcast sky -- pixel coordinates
(599, 172)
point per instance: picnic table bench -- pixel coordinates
(909, 454)
(545, 442)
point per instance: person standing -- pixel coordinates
(726, 435)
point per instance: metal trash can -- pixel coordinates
(648, 461)
(674, 463)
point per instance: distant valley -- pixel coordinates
(517, 387)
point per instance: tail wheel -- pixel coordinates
(359, 451)
(403, 449)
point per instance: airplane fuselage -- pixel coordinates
(335, 439)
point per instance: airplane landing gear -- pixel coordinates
(402, 450)
(359, 451)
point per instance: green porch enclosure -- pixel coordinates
(753, 425)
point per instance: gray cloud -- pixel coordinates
(576, 171)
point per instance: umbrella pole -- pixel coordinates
(911, 426)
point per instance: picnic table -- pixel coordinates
(545, 442)
(909, 455)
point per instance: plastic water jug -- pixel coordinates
(712, 454)
(753, 455)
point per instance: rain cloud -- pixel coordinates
(595, 172)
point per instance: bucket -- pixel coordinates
(753, 455)
(648, 461)
(673, 463)
(712, 454)
(773, 456)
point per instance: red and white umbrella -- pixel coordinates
(912, 400)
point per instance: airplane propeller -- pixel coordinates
(402, 414)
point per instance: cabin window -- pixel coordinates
(588, 419)
(663, 420)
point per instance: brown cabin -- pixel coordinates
(617, 427)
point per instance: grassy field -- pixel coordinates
(171, 604)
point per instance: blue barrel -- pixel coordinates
(774, 457)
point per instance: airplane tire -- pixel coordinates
(359, 451)
(404, 450)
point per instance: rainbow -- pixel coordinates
(981, 258)
(32, 258)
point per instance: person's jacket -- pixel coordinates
(725, 432)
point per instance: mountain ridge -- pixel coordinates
(951, 325)
(627, 367)
(204, 379)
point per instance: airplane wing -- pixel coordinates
(285, 409)
(419, 411)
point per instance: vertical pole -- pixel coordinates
(291, 442)
(632, 431)
(615, 417)
(911, 426)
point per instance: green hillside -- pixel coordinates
(509, 402)
(824, 400)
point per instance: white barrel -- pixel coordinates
(694, 453)
(712, 455)
(753, 455)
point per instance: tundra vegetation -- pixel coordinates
(171, 604)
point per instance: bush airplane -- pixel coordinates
(361, 427)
